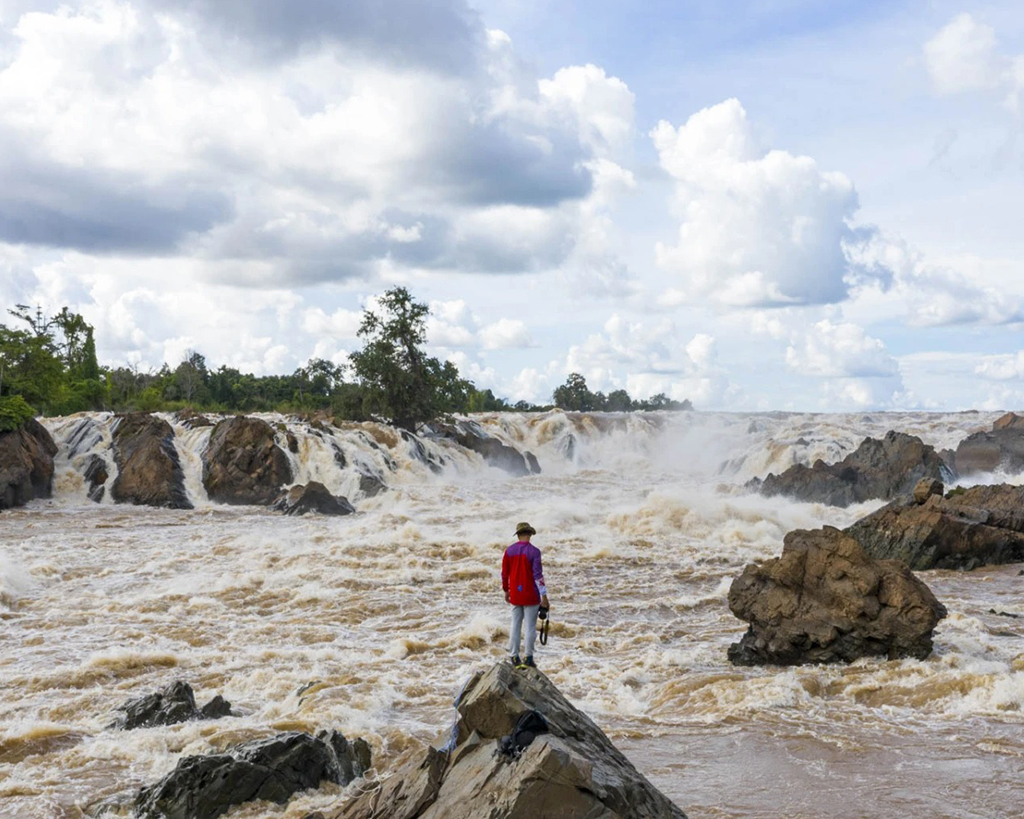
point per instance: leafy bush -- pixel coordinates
(14, 412)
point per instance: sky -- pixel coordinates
(753, 205)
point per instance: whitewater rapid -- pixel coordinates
(379, 617)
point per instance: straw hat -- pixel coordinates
(525, 528)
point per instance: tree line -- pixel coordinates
(48, 366)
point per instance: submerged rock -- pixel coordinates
(980, 526)
(242, 463)
(313, 497)
(572, 772)
(190, 419)
(148, 468)
(204, 787)
(826, 600)
(1002, 448)
(172, 704)
(876, 469)
(26, 464)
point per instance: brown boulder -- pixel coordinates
(876, 469)
(26, 464)
(243, 465)
(825, 600)
(573, 772)
(1002, 448)
(148, 469)
(980, 526)
(925, 488)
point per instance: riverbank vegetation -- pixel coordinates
(48, 366)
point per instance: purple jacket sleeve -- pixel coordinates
(538, 573)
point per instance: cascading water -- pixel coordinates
(378, 617)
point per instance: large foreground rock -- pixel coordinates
(204, 787)
(980, 526)
(313, 497)
(825, 600)
(573, 772)
(243, 465)
(170, 705)
(148, 468)
(26, 464)
(876, 469)
(1002, 448)
(495, 453)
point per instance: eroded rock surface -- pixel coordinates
(26, 464)
(204, 787)
(876, 469)
(826, 600)
(980, 526)
(573, 772)
(313, 497)
(148, 468)
(242, 463)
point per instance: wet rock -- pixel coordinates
(313, 497)
(148, 468)
(573, 771)
(925, 488)
(371, 485)
(420, 453)
(1002, 448)
(96, 476)
(293, 442)
(980, 526)
(204, 787)
(339, 455)
(495, 453)
(172, 704)
(826, 600)
(26, 464)
(242, 463)
(190, 419)
(876, 469)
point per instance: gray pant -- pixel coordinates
(518, 612)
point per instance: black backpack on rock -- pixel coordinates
(529, 725)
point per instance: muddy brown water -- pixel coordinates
(382, 615)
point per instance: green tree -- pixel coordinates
(574, 396)
(618, 401)
(400, 383)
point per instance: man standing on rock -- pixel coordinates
(522, 578)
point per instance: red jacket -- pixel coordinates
(522, 576)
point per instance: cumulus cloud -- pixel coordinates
(840, 349)
(759, 228)
(350, 136)
(1008, 367)
(964, 56)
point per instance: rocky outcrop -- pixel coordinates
(190, 419)
(148, 469)
(420, 453)
(980, 526)
(495, 453)
(204, 787)
(826, 600)
(243, 465)
(371, 485)
(876, 469)
(26, 464)
(572, 771)
(1001, 449)
(172, 704)
(313, 497)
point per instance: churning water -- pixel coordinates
(378, 618)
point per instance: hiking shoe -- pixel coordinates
(528, 662)
(514, 659)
